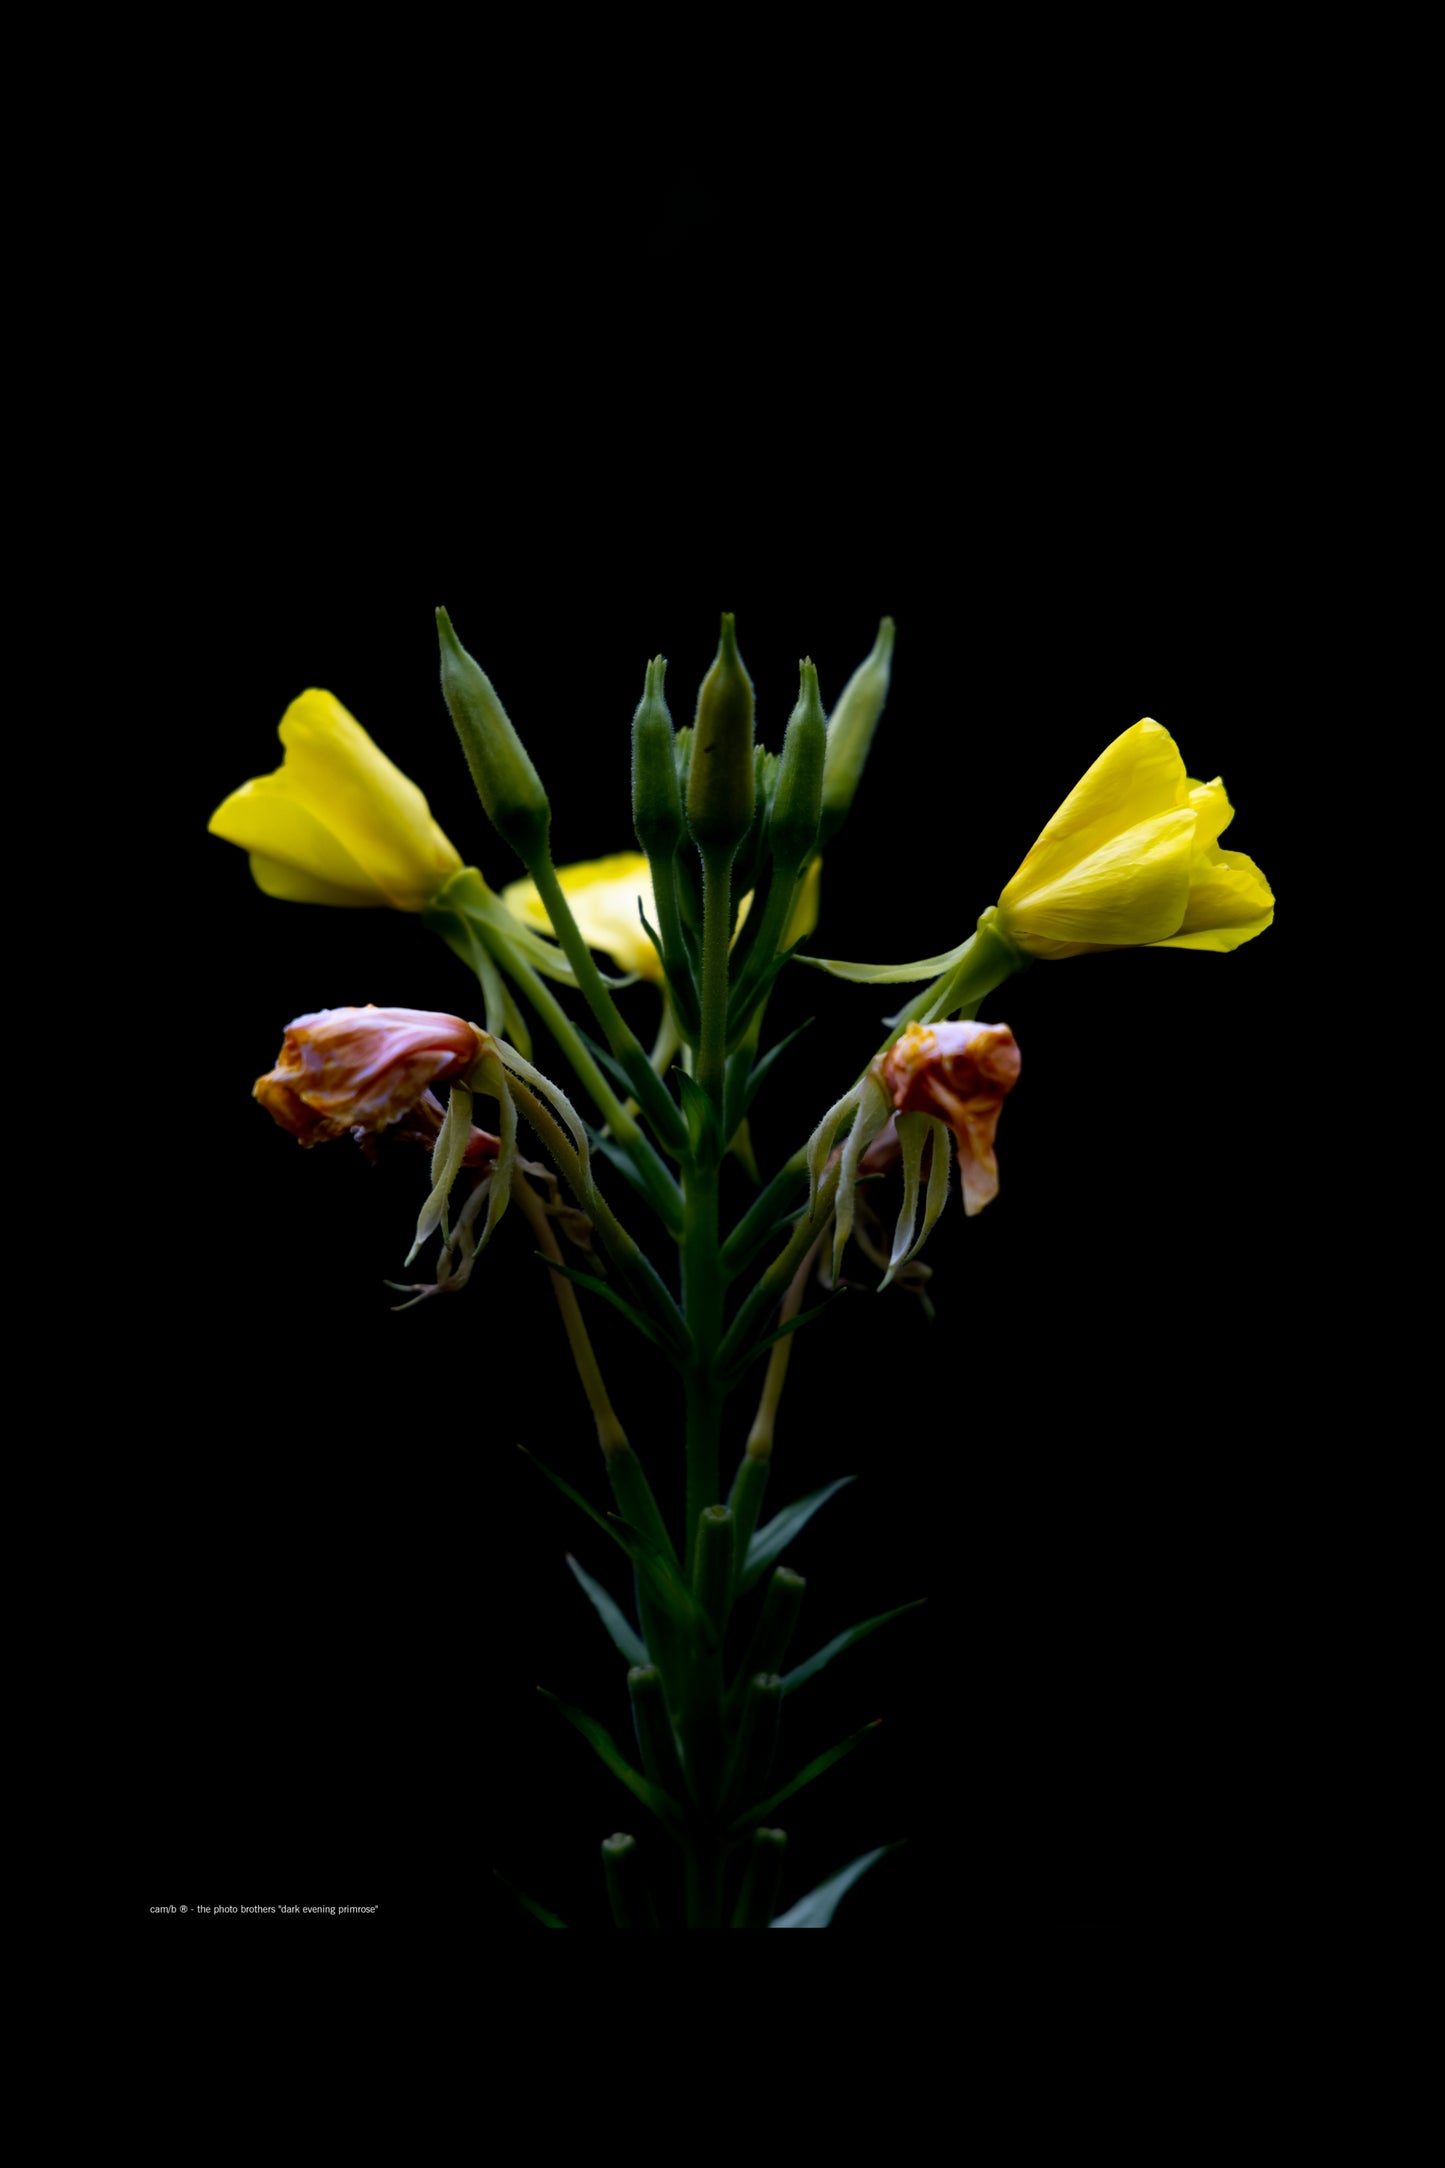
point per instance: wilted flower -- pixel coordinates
(960, 1074)
(364, 1069)
(337, 822)
(1131, 859)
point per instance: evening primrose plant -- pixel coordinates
(614, 1169)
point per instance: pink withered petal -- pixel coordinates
(362, 1069)
(961, 1074)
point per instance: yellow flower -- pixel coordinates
(604, 894)
(1131, 859)
(336, 823)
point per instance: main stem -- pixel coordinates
(703, 1287)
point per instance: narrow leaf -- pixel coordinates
(606, 1061)
(590, 1281)
(614, 1619)
(538, 1912)
(809, 1670)
(770, 1541)
(818, 1907)
(605, 1747)
(815, 1768)
(698, 1110)
(794, 1324)
(672, 1592)
(761, 1068)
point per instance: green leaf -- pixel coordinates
(605, 1747)
(794, 1324)
(538, 1912)
(761, 1068)
(606, 1061)
(600, 1287)
(702, 1131)
(800, 1675)
(770, 1541)
(618, 1156)
(613, 1618)
(671, 1591)
(815, 1768)
(818, 1907)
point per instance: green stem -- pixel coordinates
(651, 1091)
(716, 935)
(704, 1879)
(661, 1188)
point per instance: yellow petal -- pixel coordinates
(604, 894)
(1214, 810)
(377, 814)
(1131, 890)
(293, 885)
(264, 817)
(1230, 902)
(1135, 780)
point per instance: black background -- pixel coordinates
(344, 1582)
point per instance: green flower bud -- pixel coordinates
(720, 778)
(798, 792)
(850, 732)
(758, 1897)
(653, 1727)
(756, 1741)
(656, 799)
(781, 1606)
(712, 1577)
(626, 1889)
(507, 784)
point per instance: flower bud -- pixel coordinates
(720, 776)
(758, 1897)
(362, 1069)
(850, 732)
(507, 784)
(798, 792)
(626, 1887)
(656, 800)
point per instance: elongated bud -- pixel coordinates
(850, 732)
(507, 784)
(720, 778)
(653, 1726)
(798, 793)
(758, 1897)
(757, 1738)
(777, 1624)
(712, 1577)
(626, 1890)
(656, 799)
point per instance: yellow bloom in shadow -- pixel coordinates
(1132, 860)
(605, 893)
(337, 822)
